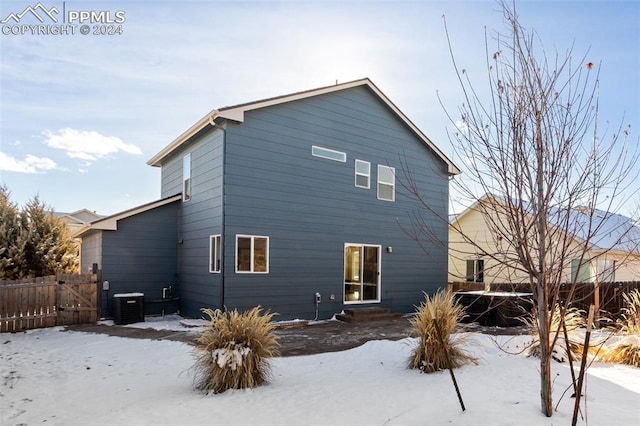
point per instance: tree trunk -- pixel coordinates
(545, 353)
(542, 284)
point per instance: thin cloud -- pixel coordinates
(87, 145)
(30, 164)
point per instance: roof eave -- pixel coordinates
(157, 159)
(236, 113)
(110, 223)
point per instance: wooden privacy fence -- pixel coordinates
(61, 299)
(607, 297)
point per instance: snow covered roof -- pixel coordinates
(607, 230)
(604, 230)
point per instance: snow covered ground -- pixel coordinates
(51, 376)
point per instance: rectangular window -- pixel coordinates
(215, 253)
(186, 177)
(475, 270)
(252, 254)
(363, 174)
(580, 272)
(386, 183)
(329, 154)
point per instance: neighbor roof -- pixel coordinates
(78, 217)
(605, 230)
(236, 113)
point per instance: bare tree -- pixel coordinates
(540, 170)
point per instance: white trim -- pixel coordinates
(236, 113)
(252, 254)
(368, 175)
(392, 184)
(326, 153)
(213, 268)
(378, 274)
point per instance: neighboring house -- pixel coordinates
(613, 250)
(77, 219)
(292, 203)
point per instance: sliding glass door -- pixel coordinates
(361, 273)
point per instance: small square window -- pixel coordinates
(252, 254)
(363, 174)
(475, 270)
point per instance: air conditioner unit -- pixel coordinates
(128, 308)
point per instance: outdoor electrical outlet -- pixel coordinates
(318, 298)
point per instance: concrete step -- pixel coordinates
(367, 315)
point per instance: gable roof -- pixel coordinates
(110, 223)
(607, 231)
(236, 113)
(78, 217)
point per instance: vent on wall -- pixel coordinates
(128, 308)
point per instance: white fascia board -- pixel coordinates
(209, 118)
(236, 113)
(452, 169)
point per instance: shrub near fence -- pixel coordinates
(607, 297)
(61, 299)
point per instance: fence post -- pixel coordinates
(596, 302)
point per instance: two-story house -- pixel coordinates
(293, 203)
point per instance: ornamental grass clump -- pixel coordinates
(627, 349)
(435, 343)
(233, 351)
(573, 320)
(630, 323)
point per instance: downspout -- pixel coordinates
(223, 231)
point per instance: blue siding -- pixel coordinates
(200, 217)
(141, 255)
(310, 207)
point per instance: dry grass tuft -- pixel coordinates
(630, 323)
(573, 320)
(627, 351)
(234, 350)
(429, 355)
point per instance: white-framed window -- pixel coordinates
(329, 154)
(186, 177)
(386, 183)
(252, 254)
(475, 270)
(363, 174)
(215, 253)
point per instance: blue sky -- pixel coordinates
(80, 115)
